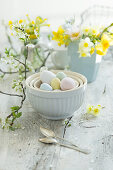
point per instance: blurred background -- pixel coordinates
(93, 12)
(55, 11)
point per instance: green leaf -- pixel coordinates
(69, 125)
(19, 114)
(11, 128)
(14, 114)
(22, 39)
(15, 108)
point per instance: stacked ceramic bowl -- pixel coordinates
(56, 104)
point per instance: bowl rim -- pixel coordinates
(48, 92)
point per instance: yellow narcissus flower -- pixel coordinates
(85, 46)
(86, 30)
(89, 109)
(93, 110)
(94, 30)
(83, 54)
(96, 111)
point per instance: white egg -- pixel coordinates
(46, 76)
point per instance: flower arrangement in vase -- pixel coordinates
(85, 45)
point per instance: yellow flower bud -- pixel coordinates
(92, 50)
(10, 22)
(37, 29)
(33, 22)
(20, 21)
(33, 36)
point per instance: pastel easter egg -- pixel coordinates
(61, 75)
(45, 86)
(67, 83)
(55, 83)
(46, 76)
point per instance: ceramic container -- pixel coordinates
(56, 105)
(88, 66)
(60, 58)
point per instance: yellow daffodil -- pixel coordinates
(59, 36)
(105, 40)
(100, 49)
(92, 50)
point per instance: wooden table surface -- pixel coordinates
(21, 150)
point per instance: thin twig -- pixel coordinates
(66, 126)
(45, 60)
(9, 94)
(24, 96)
(19, 61)
(8, 72)
(104, 91)
(25, 63)
(12, 72)
(22, 101)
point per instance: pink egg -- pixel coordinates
(67, 83)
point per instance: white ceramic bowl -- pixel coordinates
(56, 105)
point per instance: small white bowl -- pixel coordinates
(56, 105)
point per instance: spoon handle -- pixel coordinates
(66, 141)
(85, 151)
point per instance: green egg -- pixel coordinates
(61, 75)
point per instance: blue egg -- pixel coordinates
(61, 75)
(46, 87)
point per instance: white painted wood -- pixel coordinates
(20, 150)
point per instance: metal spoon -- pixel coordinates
(49, 133)
(50, 140)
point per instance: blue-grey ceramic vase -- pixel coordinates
(88, 66)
